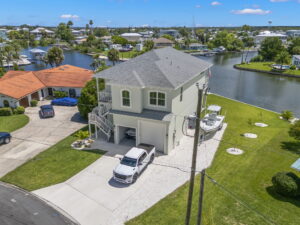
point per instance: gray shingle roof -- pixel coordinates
(165, 67)
(147, 113)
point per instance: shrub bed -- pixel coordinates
(19, 110)
(286, 184)
(6, 111)
(33, 103)
(60, 94)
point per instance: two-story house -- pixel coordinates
(150, 95)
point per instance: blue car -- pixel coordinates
(65, 101)
(5, 137)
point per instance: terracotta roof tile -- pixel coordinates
(18, 84)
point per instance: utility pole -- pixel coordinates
(194, 156)
(200, 203)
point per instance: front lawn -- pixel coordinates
(266, 66)
(247, 176)
(55, 165)
(12, 123)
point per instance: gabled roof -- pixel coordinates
(18, 84)
(165, 68)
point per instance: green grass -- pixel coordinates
(55, 165)
(266, 66)
(12, 123)
(248, 176)
(126, 55)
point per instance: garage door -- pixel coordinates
(152, 133)
(24, 102)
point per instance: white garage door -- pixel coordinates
(152, 133)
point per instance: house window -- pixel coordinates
(157, 98)
(181, 93)
(5, 103)
(126, 98)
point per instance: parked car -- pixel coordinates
(5, 137)
(133, 163)
(65, 101)
(47, 111)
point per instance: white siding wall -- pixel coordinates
(12, 102)
(135, 99)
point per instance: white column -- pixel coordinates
(96, 132)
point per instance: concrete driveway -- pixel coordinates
(93, 198)
(38, 135)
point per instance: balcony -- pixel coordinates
(104, 97)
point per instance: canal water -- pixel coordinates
(260, 89)
(263, 90)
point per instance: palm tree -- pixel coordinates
(91, 25)
(113, 55)
(283, 58)
(70, 23)
(55, 56)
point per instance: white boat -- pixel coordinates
(212, 121)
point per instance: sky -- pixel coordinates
(161, 13)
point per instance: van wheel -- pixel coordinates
(135, 177)
(6, 140)
(151, 158)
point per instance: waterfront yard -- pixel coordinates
(247, 177)
(12, 123)
(266, 66)
(55, 165)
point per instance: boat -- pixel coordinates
(213, 120)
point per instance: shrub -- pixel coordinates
(293, 67)
(33, 103)
(82, 134)
(286, 184)
(295, 130)
(257, 58)
(287, 115)
(20, 110)
(60, 94)
(6, 111)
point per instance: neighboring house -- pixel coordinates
(3, 33)
(77, 33)
(136, 37)
(296, 60)
(198, 47)
(293, 33)
(115, 46)
(147, 35)
(265, 34)
(18, 88)
(148, 97)
(106, 39)
(163, 42)
(173, 33)
(40, 31)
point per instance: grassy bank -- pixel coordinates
(12, 123)
(247, 176)
(55, 165)
(266, 67)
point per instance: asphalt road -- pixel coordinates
(18, 207)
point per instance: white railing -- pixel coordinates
(104, 96)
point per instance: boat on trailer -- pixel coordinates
(213, 120)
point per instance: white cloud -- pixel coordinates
(251, 11)
(198, 6)
(69, 16)
(216, 3)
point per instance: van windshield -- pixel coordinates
(128, 161)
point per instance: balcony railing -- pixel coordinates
(104, 96)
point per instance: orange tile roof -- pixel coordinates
(18, 84)
(65, 76)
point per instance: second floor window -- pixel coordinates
(157, 98)
(126, 98)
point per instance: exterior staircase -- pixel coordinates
(100, 115)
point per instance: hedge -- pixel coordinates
(6, 111)
(60, 94)
(33, 103)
